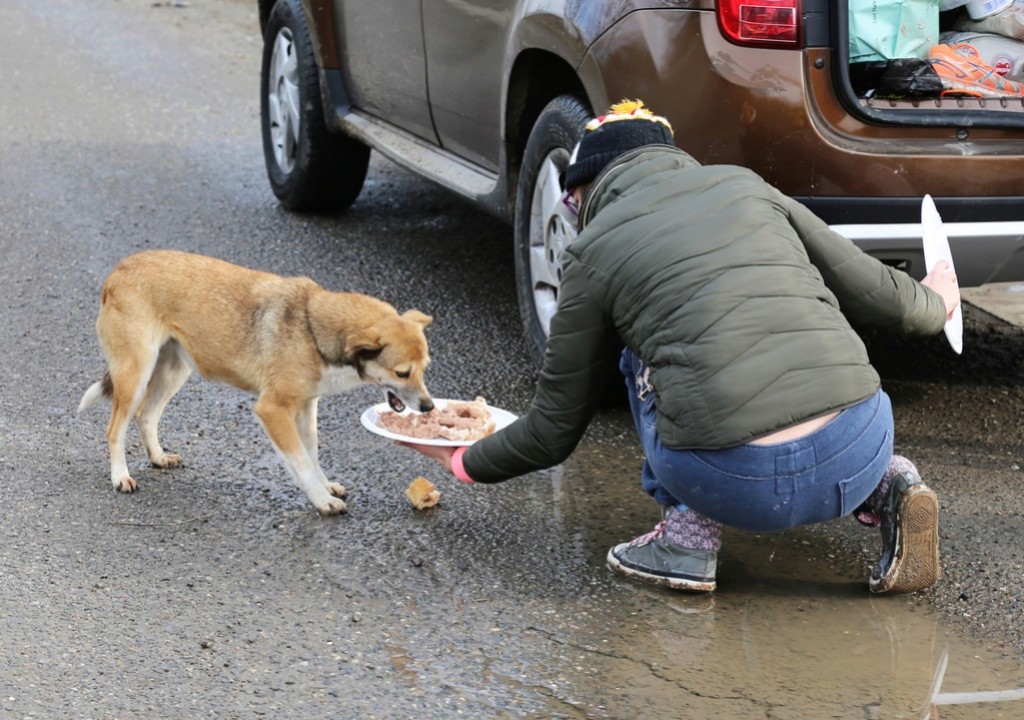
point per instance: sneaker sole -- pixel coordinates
(676, 583)
(916, 563)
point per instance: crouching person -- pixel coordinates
(753, 396)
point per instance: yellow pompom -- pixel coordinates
(628, 107)
(627, 110)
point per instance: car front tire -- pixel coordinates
(309, 167)
(544, 226)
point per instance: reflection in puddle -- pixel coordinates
(510, 612)
(762, 656)
(786, 636)
(938, 697)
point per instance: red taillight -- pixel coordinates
(761, 23)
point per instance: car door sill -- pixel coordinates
(430, 161)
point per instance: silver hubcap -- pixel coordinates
(283, 96)
(552, 228)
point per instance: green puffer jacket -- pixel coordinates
(739, 299)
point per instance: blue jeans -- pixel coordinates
(762, 488)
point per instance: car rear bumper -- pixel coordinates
(983, 252)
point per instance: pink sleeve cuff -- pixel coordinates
(458, 469)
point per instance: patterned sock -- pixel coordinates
(691, 530)
(870, 513)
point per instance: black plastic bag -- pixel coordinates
(896, 79)
(908, 78)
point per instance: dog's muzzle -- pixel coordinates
(396, 404)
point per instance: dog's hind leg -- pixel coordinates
(305, 422)
(279, 418)
(129, 376)
(169, 374)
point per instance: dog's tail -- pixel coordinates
(102, 389)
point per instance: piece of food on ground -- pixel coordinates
(422, 494)
(459, 421)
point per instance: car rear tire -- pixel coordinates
(309, 167)
(544, 227)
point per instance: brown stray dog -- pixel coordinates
(287, 340)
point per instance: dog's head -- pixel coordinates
(393, 353)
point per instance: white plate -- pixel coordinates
(936, 247)
(502, 418)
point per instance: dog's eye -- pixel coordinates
(404, 374)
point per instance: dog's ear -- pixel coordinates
(363, 345)
(417, 317)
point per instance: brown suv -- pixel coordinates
(487, 97)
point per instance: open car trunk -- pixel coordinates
(932, 63)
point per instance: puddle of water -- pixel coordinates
(786, 636)
(498, 604)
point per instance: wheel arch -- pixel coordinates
(537, 77)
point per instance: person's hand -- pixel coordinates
(442, 454)
(943, 281)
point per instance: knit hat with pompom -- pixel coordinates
(626, 126)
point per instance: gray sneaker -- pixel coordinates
(910, 538)
(653, 559)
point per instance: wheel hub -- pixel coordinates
(552, 228)
(283, 101)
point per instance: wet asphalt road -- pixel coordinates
(217, 591)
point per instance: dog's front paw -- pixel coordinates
(337, 490)
(125, 484)
(333, 506)
(167, 460)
